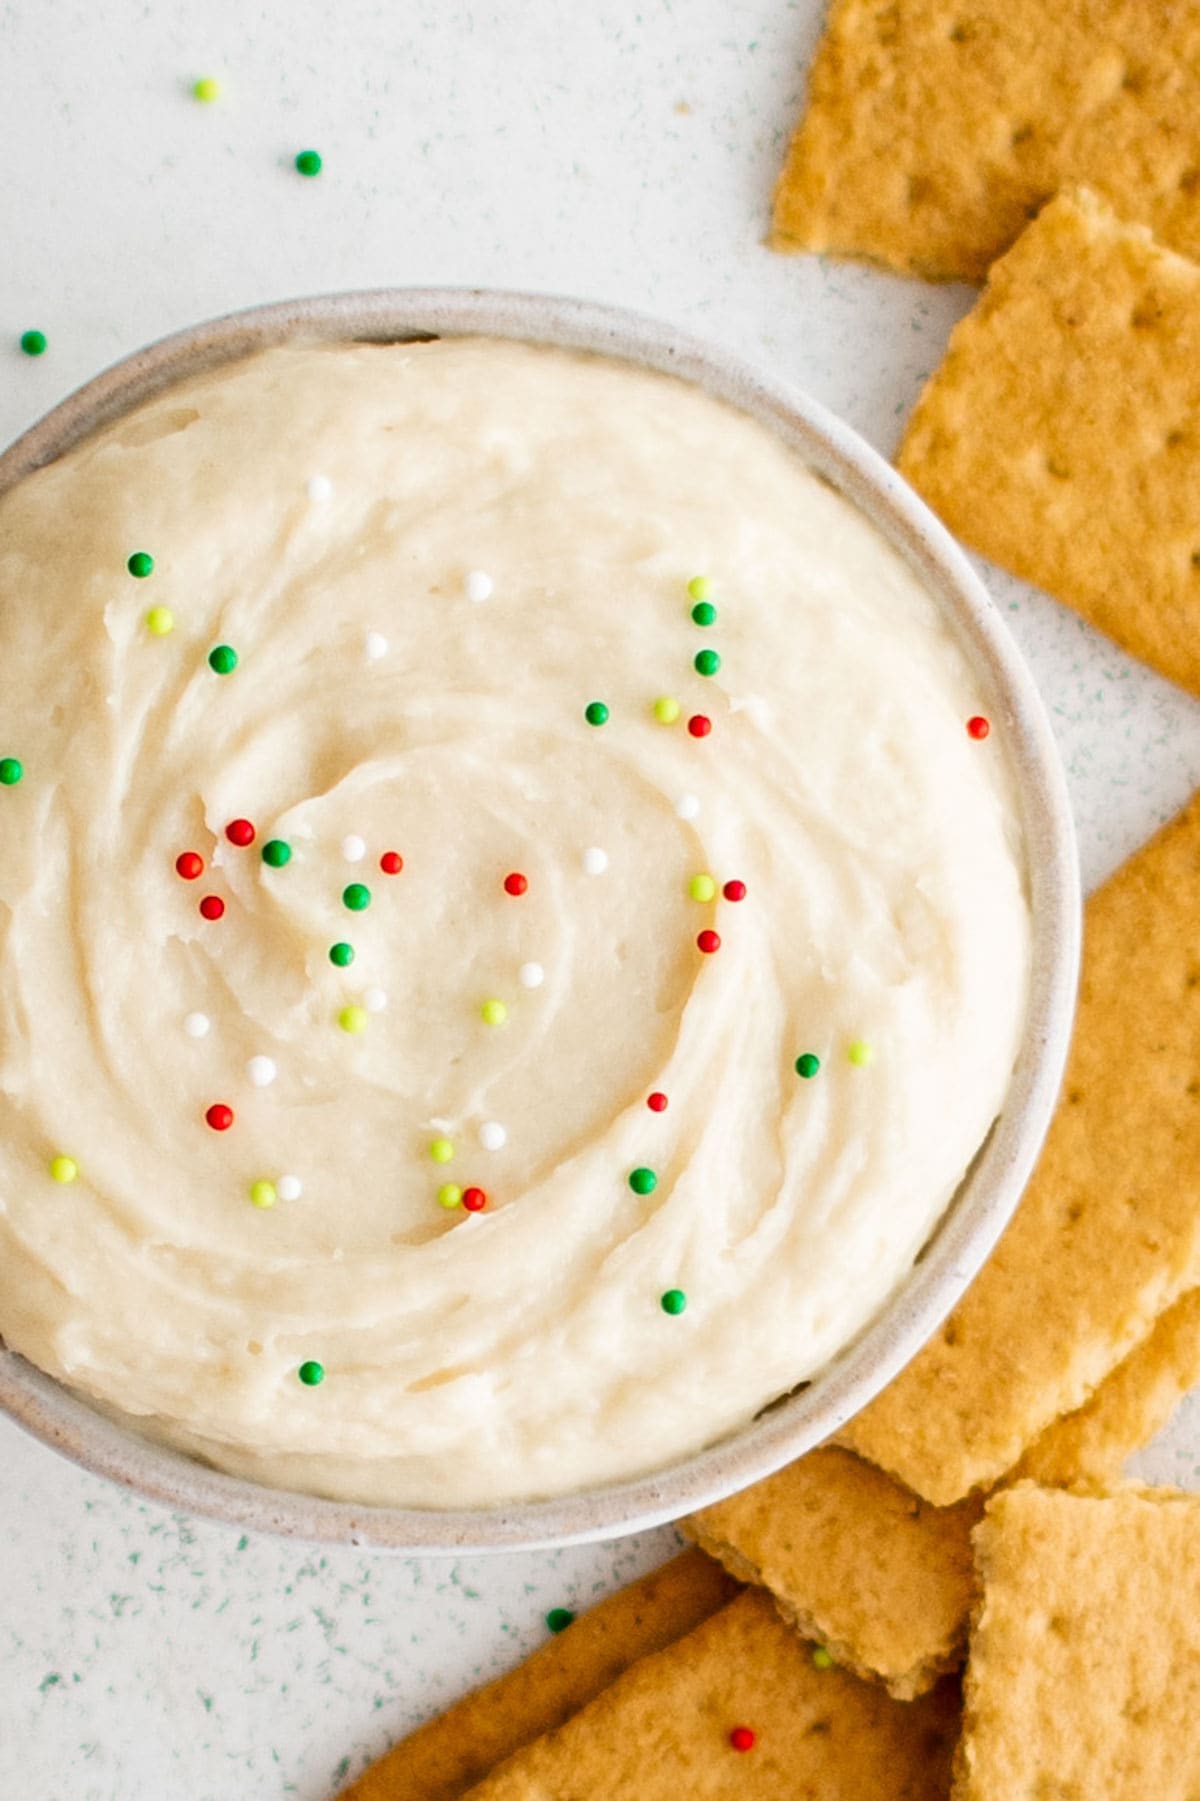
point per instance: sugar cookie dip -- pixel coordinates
(514, 920)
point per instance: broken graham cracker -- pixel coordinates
(442, 1759)
(1084, 1673)
(662, 1731)
(935, 129)
(1107, 1234)
(1061, 434)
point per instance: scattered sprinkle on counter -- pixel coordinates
(33, 343)
(206, 89)
(309, 162)
(559, 1618)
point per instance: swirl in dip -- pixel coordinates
(417, 1227)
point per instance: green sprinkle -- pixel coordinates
(207, 89)
(223, 659)
(357, 897)
(674, 1301)
(860, 1053)
(341, 954)
(702, 888)
(706, 662)
(821, 1658)
(312, 1374)
(11, 771)
(141, 564)
(700, 587)
(559, 1618)
(704, 613)
(807, 1065)
(33, 343)
(277, 852)
(596, 713)
(643, 1181)
(308, 162)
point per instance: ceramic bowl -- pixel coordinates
(992, 1187)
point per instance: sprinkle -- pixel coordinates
(240, 832)
(515, 883)
(207, 89)
(688, 806)
(141, 564)
(596, 713)
(860, 1053)
(704, 613)
(978, 727)
(223, 659)
(375, 1000)
(356, 897)
(493, 1013)
(699, 725)
(189, 864)
(160, 622)
(734, 891)
(11, 771)
(822, 1659)
(64, 1169)
(262, 1071)
(666, 709)
(276, 852)
(700, 587)
(742, 1738)
(376, 646)
(319, 488)
(391, 862)
(354, 848)
(479, 585)
(441, 1150)
(674, 1301)
(219, 1116)
(595, 861)
(353, 1020)
(702, 888)
(449, 1195)
(657, 1102)
(474, 1200)
(706, 662)
(33, 343)
(807, 1065)
(559, 1618)
(492, 1135)
(709, 942)
(263, 1194)
(196, 1025)
(312, 1373)
(289, 1188)
(212, 907)
(531, 975)
(643, 1181)
(308, 162)
(341, 954)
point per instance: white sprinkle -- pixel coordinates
(354, 848)
(479, 585)
(688, 806)
(318, 487)
(595, 861)
(262, 1071)
(289, 1188)
(377, 646)
(196, 1025)
(531, 975)
(375, 1000)
(492, 1135)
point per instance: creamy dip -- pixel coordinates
(417, 1226)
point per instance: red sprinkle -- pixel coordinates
(742, 1738)
(212, 906)
(699, 725)
(240, 832)
(219, 1116)
(709, 942)
(978, 727)
(656, 1102)
(734, 891)
(189, 864)
(474, 1200)
(391, 862)
(515, 883)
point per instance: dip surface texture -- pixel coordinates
(429, 561)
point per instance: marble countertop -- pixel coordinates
(626, 153)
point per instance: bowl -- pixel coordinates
(992, 1187)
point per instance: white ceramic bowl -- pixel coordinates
(990, 1192)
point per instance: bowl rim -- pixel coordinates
(985, 1201)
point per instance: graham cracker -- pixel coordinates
(661, 1732)
(1061, 433)
(1084, 1673)
(443, 1758)
(1107, 1234)
(936, 128)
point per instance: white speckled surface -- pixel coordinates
(624, 153)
